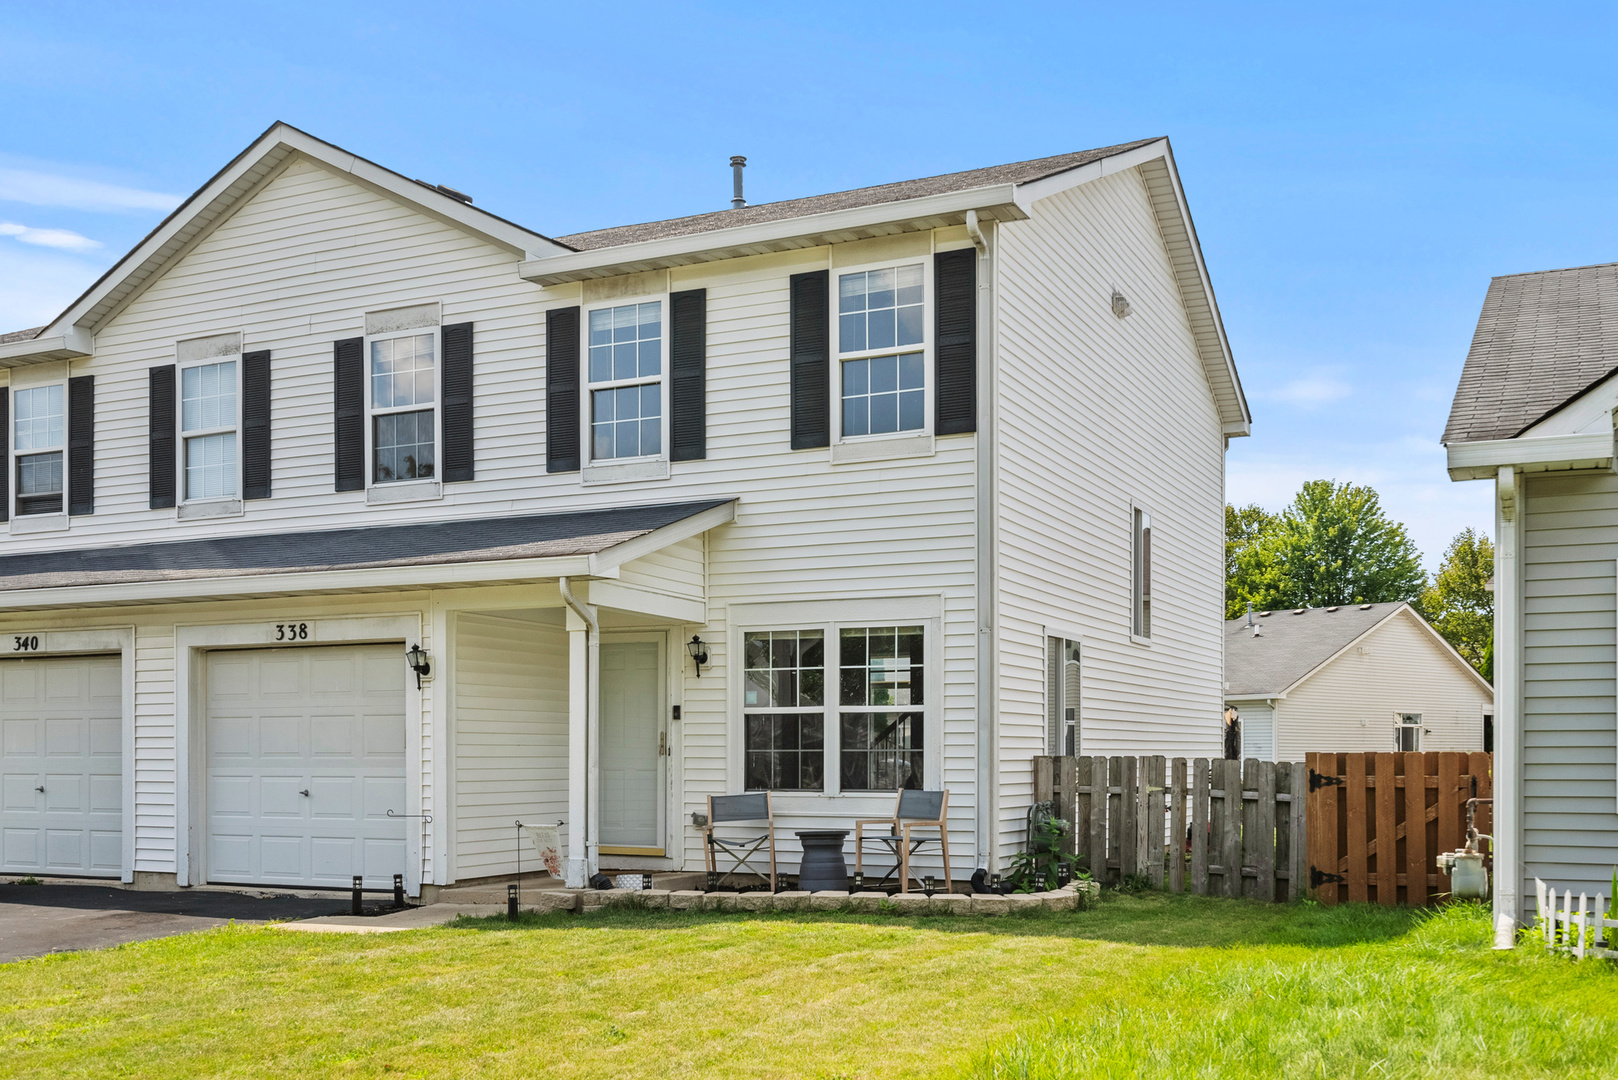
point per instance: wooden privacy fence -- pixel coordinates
(1377, 822)
(1210, 826)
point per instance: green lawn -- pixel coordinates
(1138, 986)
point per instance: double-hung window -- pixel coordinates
(881, 349)
(870, 738)
(403, 391)
(39, 435)
(626, 381)
(208, 418)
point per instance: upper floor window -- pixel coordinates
(39, 434)
(881, 333)
(404, 423)
(626, 381)
(208, 394)
(1141, 618)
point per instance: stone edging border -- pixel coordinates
(587, 901)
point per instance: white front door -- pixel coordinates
(632, 747)
(306, 756)
(61, 766)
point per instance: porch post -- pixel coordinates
(1507, 846)
(583, 739)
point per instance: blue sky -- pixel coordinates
(1355, 178)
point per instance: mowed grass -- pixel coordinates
(1138, 986)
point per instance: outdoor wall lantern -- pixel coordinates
(699, 652)
(416, 657)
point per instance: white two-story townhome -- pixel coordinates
(347, 524)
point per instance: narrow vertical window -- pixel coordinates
(208, 425)
(39, 433)
(879, 697)
(1142, 618)
(1062, 696)
(626, 381)
(404, 388)
(880, 333)
(783, 708)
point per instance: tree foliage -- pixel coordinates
(1458, 602)
(1333, 545)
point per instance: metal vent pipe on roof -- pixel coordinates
(737, 164)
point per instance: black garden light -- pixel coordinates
(928, 885)
(859, 882)
(416, 657)
(699, 652)
(512, 901)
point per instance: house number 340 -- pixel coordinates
(292, 631)
(25, 643)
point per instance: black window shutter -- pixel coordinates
(348, 383)
(81, 444)
(255, 425)
(811, 360)
(457, 402)
(562, 390)
(955, 341)
(5, 454)
(688, 375)
(160, 470)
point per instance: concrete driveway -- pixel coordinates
(47, 918)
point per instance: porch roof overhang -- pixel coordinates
(1544, 453)
(437, 554)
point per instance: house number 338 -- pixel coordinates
(292, 631)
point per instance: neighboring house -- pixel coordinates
(1534, 415)
(1351, 678)
(897, 486)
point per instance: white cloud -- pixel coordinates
(36, 284)
(62, 239)
(47, 189)
(1310, 393)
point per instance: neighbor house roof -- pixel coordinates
(1290, 644)
(534, 536)
(1019, 172)
(1542, 340)
(20, 335)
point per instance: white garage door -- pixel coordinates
(306, 755)
(61, 766)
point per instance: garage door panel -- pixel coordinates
(231, 854)
(21, 738)
(63, 732)
(324, 730)
(65, 793)
(20, 849)
(230, 796)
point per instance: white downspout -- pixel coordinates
(1507, 845)
(584, 758)
(986, 798)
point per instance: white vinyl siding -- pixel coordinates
(511, 716)
(1120, 409)
(1353, 703)
(1258, 731)
(1569, 539)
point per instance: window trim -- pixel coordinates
(609, 469)
(831, 617)
(14, 481)
(1400, 725)
(371, 412)
(182, 492)
(1140, 619)
(914, 436)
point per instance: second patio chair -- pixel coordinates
(911, 811)
(736, 811)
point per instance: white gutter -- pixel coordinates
(1543, 453)
(74, 343)
(584, 760)
(986, 798)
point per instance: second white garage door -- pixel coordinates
(306, 755)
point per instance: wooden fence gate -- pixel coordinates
(1378, 821)
(1209, 826)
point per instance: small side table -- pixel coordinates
(823, 867)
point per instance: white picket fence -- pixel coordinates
(1586, 930)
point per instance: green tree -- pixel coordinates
(1458, 602)
(1332, 545)
(1243, 527)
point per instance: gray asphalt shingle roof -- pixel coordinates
(21, 335)
(1290, 646)
(1542, 340)
(476, 540)
(1019, 172)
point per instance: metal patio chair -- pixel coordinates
(911, 810)
(734, 810)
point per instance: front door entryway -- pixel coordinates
(632, 747)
